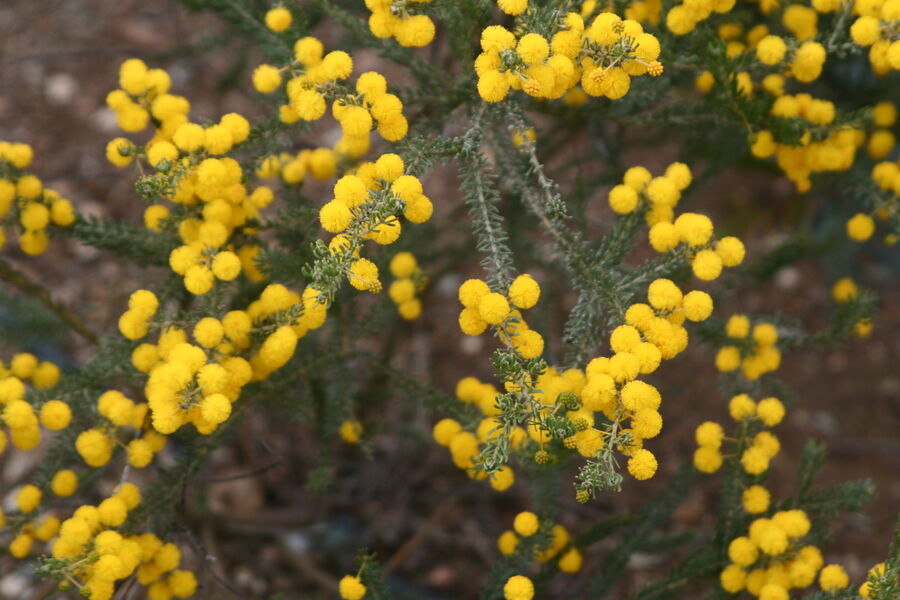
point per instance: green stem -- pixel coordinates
(12, 275)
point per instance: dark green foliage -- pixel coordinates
(128, 241)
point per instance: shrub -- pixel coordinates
(282, 271)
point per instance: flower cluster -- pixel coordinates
(694, 230)
(756, 450)
(885, 202)
(397, 19)
(246, 283)
(212, 207)
(215, 225)
(25, 203)
(773, 558)
(198, 383)
(601, 56)
(17, 413)
(683, 18)
(409, 282)
(878, 28)
(367, 205)
(143, 93)
(123, 419)
(92, 549)
(527, 524)
(464, 446)
(313, 78)
(753, 350)
(482, 307)
(652, 332)
(845, 291)
(660, 194)
(319, 163)
(821, 148)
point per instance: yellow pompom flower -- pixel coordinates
(754, 460)
(770, 411)
(112, 512)
(28, 498)
(707, 460)
(571, 561)
(642, 464)
(278, 19)
(120, 152)
(771, 50)
(808, 61)
(335, 216)
(664, 236)
(209, 332)
(493, 308)
(624, 338)
(732, 579)
(336, 65)
(507, 542)
(182, 584)
(743, 551)
(833, 578)
(350, 431)
(528, 344)
(226, 266)
(860, 227)
(414, 31)
(162, 151)
(524, 291)
(709, 435)
(363, 276)
(755, 499)
(198, 280)
(518, 587)
(663, 294)
(266, 79)
(707, 265)
(623, 199)
(741, 406)
(23, 365)
(844, 290)
(765, 334)
(444, 430)
(140, 453)
(693, 228)
(351, 588)
(513, 7)
(403, 265)
(64, 483)
(533, 48)
(471, 323)
(215, 408)
(697, 306)
(731, 250)
(55, 415)
(493, 86)
(866, 30)
(356, 121)
(526, 523)
(94, 447)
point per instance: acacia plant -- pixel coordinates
(282, 263)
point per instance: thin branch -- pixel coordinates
(15, 277)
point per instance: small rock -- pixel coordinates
(60, 88)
